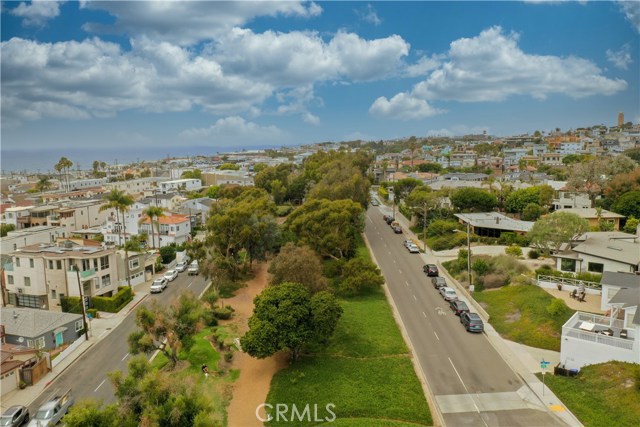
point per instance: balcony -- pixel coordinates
(591, 327)
(84, 274)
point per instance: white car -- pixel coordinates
(413, 248)
(171, 275)
(448, 293)
(406, 243)
(158, 285)
(181, 266)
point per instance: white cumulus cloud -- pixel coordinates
(369, 14)
(37, 13)
(235, 129)
(631, 10)
(620, 58)
(403, 107)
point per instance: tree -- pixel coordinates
(551, 231)
(518, 200)
(413, 146)
(631, 226)
(43, 184)
(167, 328)
(623, 183)
(298, 264)
(64, 164)
(213, 191)
(358, 276)
(286, 317)
(120, 201)
(341, 180)
(592, 177)
(90, 413)
(430, 167)
(193, 174)
(532, 212)
(229, 167)
(330, 227)
(153, 214)
(404, 187)
(628, 204)
(473, 199)
(5, 229)
(633, 153)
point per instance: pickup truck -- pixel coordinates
(193, 268)
(51, 412)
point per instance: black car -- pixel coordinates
(14, 416)
(472, 322)
(390, 219)
(438, 282)
(431, 270)
(386, 217)
(397, 230)
(458, 307)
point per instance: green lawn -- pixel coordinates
(365, 371)
(602, 395)
(519, 313)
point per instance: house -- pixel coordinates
(170, 228)
(15, 359)
(590, 338)
(493, 224)
(598, 252)
(83, 184)
(180, 184)
(566, 199)
(40, 329)
(570, 147)
(40, 275)
(141, 267)
(593, 216)
(552, 159)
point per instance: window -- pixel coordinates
(50, 265)
(96, 283)
(59, 265)
(10, 279)
(31, 262)
(104, 262)
(106, 280)
(95, 263)
(79, 326)
(134, 263)
(567, 264)
(37, 344)
(17, 262)
(27, 281)
(31, 301)
(86, 264)
(595, 267)
(53, 294)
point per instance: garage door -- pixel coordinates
(9, 381)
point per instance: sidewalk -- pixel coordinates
(98, 329)
(523, 360)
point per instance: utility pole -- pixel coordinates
(424, 227)
(84, 310)
(469, 254)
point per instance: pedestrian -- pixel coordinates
(580, 287)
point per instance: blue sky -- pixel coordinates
(130, 78)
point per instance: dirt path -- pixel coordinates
(251, 388)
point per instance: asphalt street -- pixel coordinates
(471, 382)
(87, 376)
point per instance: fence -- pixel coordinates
(77, 343)
(551, 282)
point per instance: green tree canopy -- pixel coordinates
(286, 317)
(359, 276)
(592, 177)
(628, 204)
(330, 227)
(429, 167)
(229, 166)
(517, 200)
(341, 180)
(298, 264)
(404, 187)
(192, 174)
(551, 231)
(473, 200)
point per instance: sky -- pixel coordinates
(131, 80)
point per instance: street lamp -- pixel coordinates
(84, 312)
(468, 254)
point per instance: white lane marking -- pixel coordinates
(406, 283)
(434, 332)
(399, 271)
(465, 388)
(425, 316)
(125, 356)
(189, 285)
(414, 297)
(99, 385)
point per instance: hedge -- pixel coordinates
(71, 305)
(115, 303)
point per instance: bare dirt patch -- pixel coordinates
(252, 386)
(513, 317)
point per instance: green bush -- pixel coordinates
(513, 250)
(383, 193)
(534, 254)
(94, 313)
(480, 267)
(114, 303)
(284, 210)
(228, 356)
(557, 307)
(71, 305)
(168, 254)
(447, 242)
(223, 313)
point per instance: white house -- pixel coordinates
(180, 184)
(600, 252)
(589, 338)
(171, 228)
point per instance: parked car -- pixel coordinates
(158, 285)
(397, 229)
(390, 219)
(430, 269)
(14, 416)
(51, 412)
(438, 282)
(193, 268)
(458, 307)
(181, 266)
(472, 322)
(171, 275)
(386, 217)
(448, 293)
(413, 249)
(374, 202)
(406, 243)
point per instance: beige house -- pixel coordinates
(593, 217)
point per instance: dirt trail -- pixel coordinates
(251, 388)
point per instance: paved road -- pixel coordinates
(87, 376)
(472, 384)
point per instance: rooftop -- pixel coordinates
(623, 280)
(613, 249)
(32, 323)
(591, 213)
(494, 220)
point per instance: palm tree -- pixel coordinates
(120, 201)
(43, 184)
(413, 146)
(64, 164)
(153, 213)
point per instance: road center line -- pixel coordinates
(125, 356)
(465, 387)
(99, 385)
(434, 332)
(406, 283)
(189, 285)
(423, 313)
(414, 297)
(399, 271)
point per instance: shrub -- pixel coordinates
(507, 264)
(495, 280)
(284, 210)
(440, 227)
(507, 238)
(228, 356)
(168, 254)
(223, 313)
(447, 242)
(534, 254)
(513, 250)
(94, 313)
(114, 303)
(71, 305)
(556, 307)
(480, 267)
(383, 193)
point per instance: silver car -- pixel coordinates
(448, 293)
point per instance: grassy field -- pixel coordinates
(365, 370)
(602, 395)
(520, 314)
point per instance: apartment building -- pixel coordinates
(40, 275)
(171, 228)
(180, 185)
